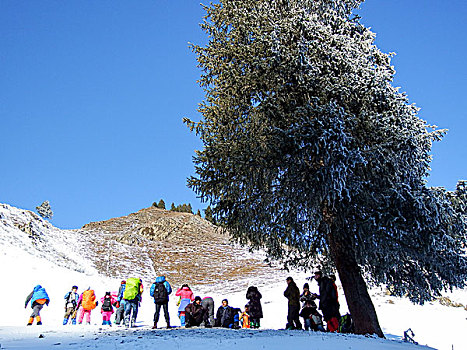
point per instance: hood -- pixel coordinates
(160, 279)
(36, 288)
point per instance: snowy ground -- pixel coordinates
(21, 269)
(194, 339)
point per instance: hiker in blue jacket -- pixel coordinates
(120, 312)
(71, 305)
(160, 291)
(38, 297)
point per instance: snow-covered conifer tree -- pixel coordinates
(311, 153)
(44, 210)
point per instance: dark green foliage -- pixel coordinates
(161, 204)
(182, 208)
(208, 215)
(198, 213)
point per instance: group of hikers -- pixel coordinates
(194, 311)
(328, 304)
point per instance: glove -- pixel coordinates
(97, 303)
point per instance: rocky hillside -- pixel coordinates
(184, 247)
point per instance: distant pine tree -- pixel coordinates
(182, 208)
(161, 204)
(198, 213)
(44, 210)
(208, 215)
(154, 204)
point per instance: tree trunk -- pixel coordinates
(356, 293)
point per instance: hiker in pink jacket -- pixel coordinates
(186, 296)
(185, 293)
(107, 308)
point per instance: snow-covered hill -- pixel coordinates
(33, 252)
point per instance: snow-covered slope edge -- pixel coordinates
(26, 231)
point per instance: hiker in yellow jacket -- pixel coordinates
(132, 297)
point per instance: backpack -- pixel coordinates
(160, 293)
(346, 324)
(131, 288)
(89, 300)
(107, 304)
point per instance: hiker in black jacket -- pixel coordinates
(225, 316)
(195, 314)
(307, 296)
(254, 305)
(293, 294)
(328, 303)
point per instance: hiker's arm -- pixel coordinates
(28, 298)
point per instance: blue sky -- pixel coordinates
(92, 96)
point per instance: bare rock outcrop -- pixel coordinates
(184, 247)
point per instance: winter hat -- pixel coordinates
(197, 298)
(306, 285)
(123, 282)
(225, 300)
(74, 287)
(107, 293)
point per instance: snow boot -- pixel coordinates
(155, 325)
(38, 319)
(73, 321)
(31, 320)
(65, 321)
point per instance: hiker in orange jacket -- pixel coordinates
(87, 302)
(245, 317)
